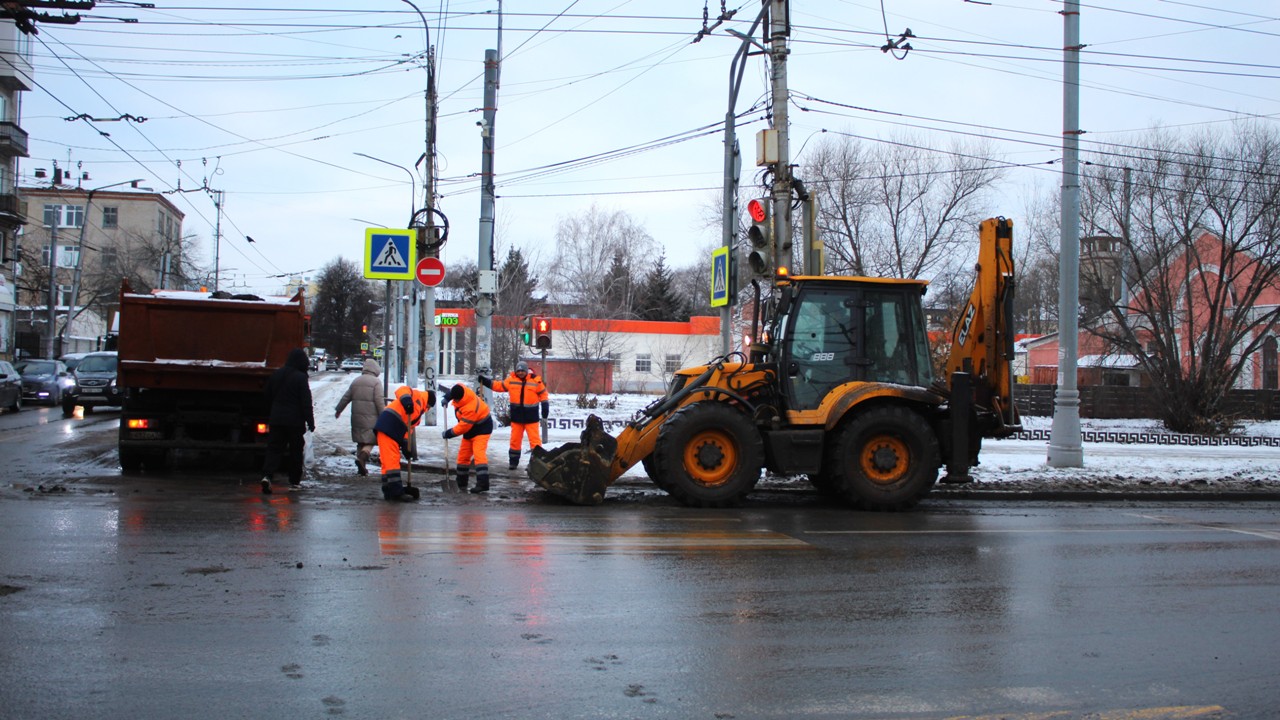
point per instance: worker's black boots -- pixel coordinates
(514, 457)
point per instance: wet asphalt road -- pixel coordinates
(198, 597)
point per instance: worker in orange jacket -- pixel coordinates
(474, 426)
(527, 393)
(393, 431)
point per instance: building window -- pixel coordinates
(616, 360)
(64, 216)
(68, 256)
(643, 362)
(110, 217)
(64, 295)
(166, 226)
(672, 363)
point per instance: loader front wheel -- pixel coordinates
(887, 459)
(708, 454)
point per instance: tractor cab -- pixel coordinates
(830, 331)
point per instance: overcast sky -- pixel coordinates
(604, 102)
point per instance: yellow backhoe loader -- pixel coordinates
(840, 389)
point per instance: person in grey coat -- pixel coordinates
(365, 397)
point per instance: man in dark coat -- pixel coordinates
(289, 393)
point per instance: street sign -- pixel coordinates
(430, 271)
(389, 254)
(720, 277)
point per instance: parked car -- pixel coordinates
(44, 381)
(72, 359)
(10, 387)
(352, 365)
(95, 384)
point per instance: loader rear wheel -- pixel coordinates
(886, 459)
(708, 455)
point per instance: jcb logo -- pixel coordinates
(967, 324)
(823, 357)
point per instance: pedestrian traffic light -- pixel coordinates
(526, 330)
(760, 235)
(542, 332)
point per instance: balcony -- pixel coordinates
(13, 140)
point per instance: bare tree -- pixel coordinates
(1203, 261)
(896, 209)
(600, 257)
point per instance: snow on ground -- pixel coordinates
(1008, 463)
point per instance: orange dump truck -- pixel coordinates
(194, 366)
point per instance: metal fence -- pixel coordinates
(1109, 401)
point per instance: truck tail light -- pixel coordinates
(262, 428)
(139, 423)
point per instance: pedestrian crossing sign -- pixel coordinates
(722, 282)
(390, 254)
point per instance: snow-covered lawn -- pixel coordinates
(1022, 462)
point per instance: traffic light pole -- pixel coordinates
(732, 170)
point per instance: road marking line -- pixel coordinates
(1264, 534)
(597, 542)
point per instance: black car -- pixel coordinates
(44, 381)
(95, 384)
(10, 387)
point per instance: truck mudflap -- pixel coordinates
(578, 472)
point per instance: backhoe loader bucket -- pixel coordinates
(578, 472)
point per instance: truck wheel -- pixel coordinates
(885, 459)
(708, 454)
(130, 459)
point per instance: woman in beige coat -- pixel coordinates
(365, 397)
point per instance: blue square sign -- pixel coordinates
(389, 254)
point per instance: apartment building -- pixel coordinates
(15, 79)
(95, 237)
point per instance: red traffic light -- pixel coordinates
(542, 333)
(758, 210)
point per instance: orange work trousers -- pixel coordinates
(477, 449)
(518, 431)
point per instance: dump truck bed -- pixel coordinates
(193, 341)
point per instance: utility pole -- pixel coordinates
(779, 31)
(217, 236)
(488, 277)
(1065, 448)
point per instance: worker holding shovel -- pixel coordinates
(393, 431)
(474, 426)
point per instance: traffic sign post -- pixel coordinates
(390, 254)
(430, 271)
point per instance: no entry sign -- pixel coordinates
(430, 271)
